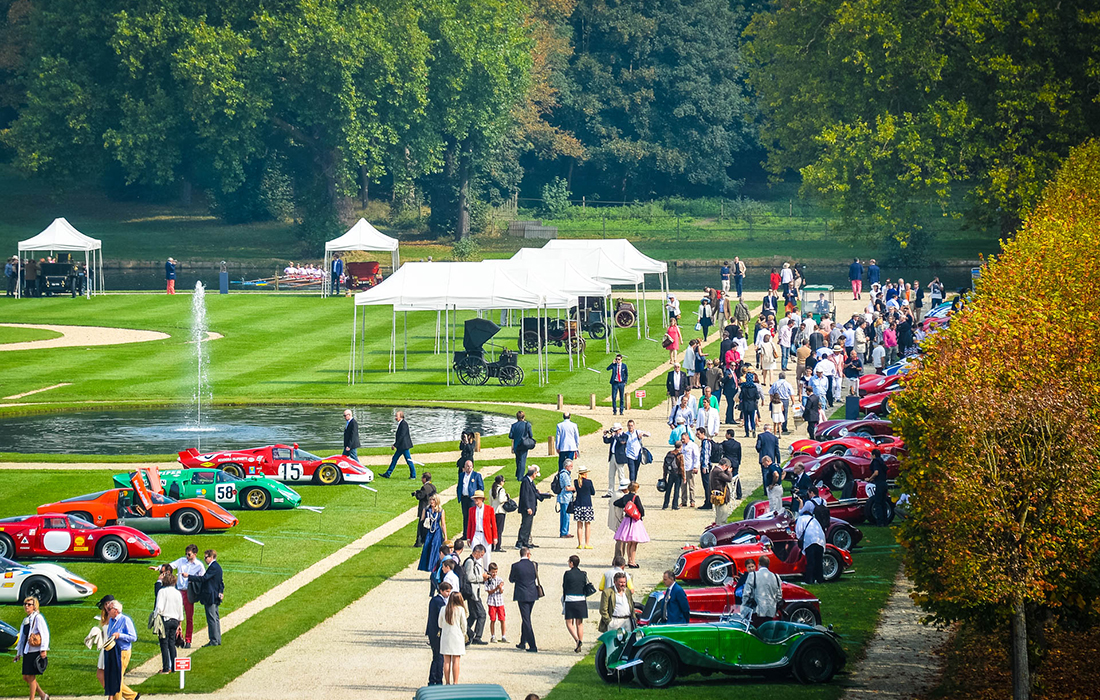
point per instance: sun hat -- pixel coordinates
(617, 426)
(624, 484)
(479, 494)
(680, 419)
(582, 470)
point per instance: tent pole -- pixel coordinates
(437, 314)
(363, 344)
(405, 326)
(351, 361)
(324, 274)
(19, 275)
(637, 319)
(447, 341)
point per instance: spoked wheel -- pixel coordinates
(840, 477)
(658, 668)
(597, 331)
(841, 538)
(530, 341)
(511, 376)
(802, 614)
(625, 318)
(472, 371)
(831, 568)
(815, 663)
(577, 343)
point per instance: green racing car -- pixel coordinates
(230, 492)
(657, 654)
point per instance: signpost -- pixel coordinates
(639, 394)
(183, 665)
(261, 555)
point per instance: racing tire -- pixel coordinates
(606, 675)
(625, 318)
(658, 667)
(111, 550)
(328, 475)
(714, 570)
(530, 341)
(597, 331)
(815, 662)
(870, 513)
(233, 470)
(841, 538)
(83, 515)
(831, 567)
(839, 478)
(187, 521)
(40, 588)
(255, 498)
(803, 614)
(7, 547)
(510, 376)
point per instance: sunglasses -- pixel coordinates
(28, 605)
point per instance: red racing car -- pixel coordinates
(288, 464)
(713, 565)
(832, 429)
(853, 509)
(837, 470)
(778, 526)
(55, 535)
(709, 604)
(874, 383)
(878, 404)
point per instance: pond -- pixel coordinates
(318, 429)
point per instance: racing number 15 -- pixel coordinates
(290, 472)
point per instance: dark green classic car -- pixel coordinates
(657, 654)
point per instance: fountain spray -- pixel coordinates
(198, 340)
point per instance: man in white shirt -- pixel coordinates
(708, 420)
(449, 574)
(812, 540)
(828, 370)
(684, 410)
(567, 440)
(188, 564)
(878, 357)
(849, 338)
(691, 467)
(783, 389)
(820, 384)
(634, 449)
(786, 329)
(808, 326)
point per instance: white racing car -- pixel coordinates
(49, 583)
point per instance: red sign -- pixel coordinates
(183, 664)
(640, 394)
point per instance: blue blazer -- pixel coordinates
(677, 611)
(169, 271)
(436, 604)
(479, 482)
(626, 372)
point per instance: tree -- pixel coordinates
(1000, 421)
(882, 106)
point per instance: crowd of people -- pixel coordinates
(29, 277)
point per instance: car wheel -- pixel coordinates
(802, 613)
(187, 521)
(839, 478)
(328, 474)
(111, 550)
(7, 547)
(83, 515)
(837, 450)
(873, 516)
(658, 667)
(233, 470)
(715, 570)
(40, 588)
(606, 675)
(841, 538)
(831, 567)
(815, 663)
(255, 498)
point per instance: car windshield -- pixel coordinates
(76, 523)
(16, 519)
(305, 456)
(9, 564)
(226, 478)
(85, 497)
(738, 615)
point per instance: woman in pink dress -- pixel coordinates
(631, 530)
(676, 339)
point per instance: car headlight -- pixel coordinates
(707, 539)
(843, 432)
(638, 634)
(680, 564)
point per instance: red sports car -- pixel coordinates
(837, 470)
(854, 509)
(874, 383)
(713, 565)
(878, 404)
(708, 604)
(56, 535)
(775, 527)
(852, 444)
(285, 463)
(832, 429)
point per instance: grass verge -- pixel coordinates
(9, 334)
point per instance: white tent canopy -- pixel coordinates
(60, 235)
(361, 236)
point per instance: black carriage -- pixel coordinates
(593, 313)
(471, 364)
(626, 314)
(538, 332)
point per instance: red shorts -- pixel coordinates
(496, 613)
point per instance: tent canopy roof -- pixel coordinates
(60, 235)
(362, 236)
(593, 263)
(620, 250)
(560, 275)
(432, 286)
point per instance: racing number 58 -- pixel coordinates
(225, 493)
(290, 472)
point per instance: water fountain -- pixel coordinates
(198, 340)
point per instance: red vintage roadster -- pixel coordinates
(872, 425)
(713, 565)
(778, 526)
(854, 509)
(709, 604)
(836, 471)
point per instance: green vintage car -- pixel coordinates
(231, 492)
(657, 654)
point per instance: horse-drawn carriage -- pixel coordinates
(626, 314)
(538, 332)
(470, 364)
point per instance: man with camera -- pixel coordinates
(615, 438)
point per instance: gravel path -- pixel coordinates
(73, 336)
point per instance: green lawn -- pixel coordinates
(9, 334)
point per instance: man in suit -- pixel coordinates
(524, 575)
(213, 591)
(469, 483)
(337, 272)
(437, 603)
(675, 602)
(422, 496)
(676, 382)
(767, 445)
(520, 430)
(619, 377)
(567, 440)
(402, 446)
(529, 498)
(481, 525)
(351, 435)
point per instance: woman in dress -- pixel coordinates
(631, 531)
(775, 406)
(583, 513)
(435, 531)
(675, 339)
(497, 498)
(112, 656)
(574, 604)
(452, 638)
(32, 645)
(769, 357)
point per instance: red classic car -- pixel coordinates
(854, 509)
(778, 526)
(832, 429)
(285, 463)
(874, 383)
(852, 444)
(713, 565)
(837, 470)
(57, 535)
(708, 604)
(878, 404)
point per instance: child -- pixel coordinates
(495, 586)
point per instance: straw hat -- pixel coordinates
(582, 470)
(479, 494)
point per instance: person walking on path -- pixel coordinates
(169, 607)
(525, 591)
(435, 531)
(170, 275)
(672, 340)
(402, 446)
(674, 474)
(767, 445)
(351, 435)
(32, 646)
(452, 637)
(434, 631)
(620, 375)
(855, 276)
(873, 273)
(213, 591)
(566, 492)
(574, 600)
(187, 565)
(121, 630)
(616, 440)
(634, 449)
(690, 452)
(523, 441)
(750, 396)
(617, 606)
(706, 317)
(631, 531)
(494, 588)
(422, 495)
(498, 496)
(567, 439)
(469, 483)
(583, 512)
(675, 603)
(769, 358)
(529, 498)
(677, 383)
(721, 477)
(481, 525)
(739, 276)
(724, 273)
(473, 580)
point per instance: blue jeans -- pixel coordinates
(353, 453)
(750, 421)
(564, 523)
(407, 454)
(784, 353)
(632, 465)
(335, 284)
(562, 456)
(619, 389)
(737, 280)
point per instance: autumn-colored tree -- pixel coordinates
(1002, 421)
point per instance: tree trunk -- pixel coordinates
(1021, 677)
(364, 186)
(185, 192)
(462, 227)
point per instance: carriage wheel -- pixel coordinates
(625, 318)
(510, 375)
(530, 341)
(472, 371)
(597, 331)
(577, 343)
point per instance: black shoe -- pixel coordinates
(478, 641)
(187, 645)
(607, 495)
(519, 546)
(521, 645)
(412, 477)
(212, 644)
(532, 544)
(384, 476)
(533, 650)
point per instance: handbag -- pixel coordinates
(698, 325)
(667, 342)
(510, 506)
(647, 456)
(631, 510)
(538, 583)
(528, 442)
(589, 589)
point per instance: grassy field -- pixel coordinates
(852, 605)
(9, 334)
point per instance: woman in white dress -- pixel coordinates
(452, 638)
